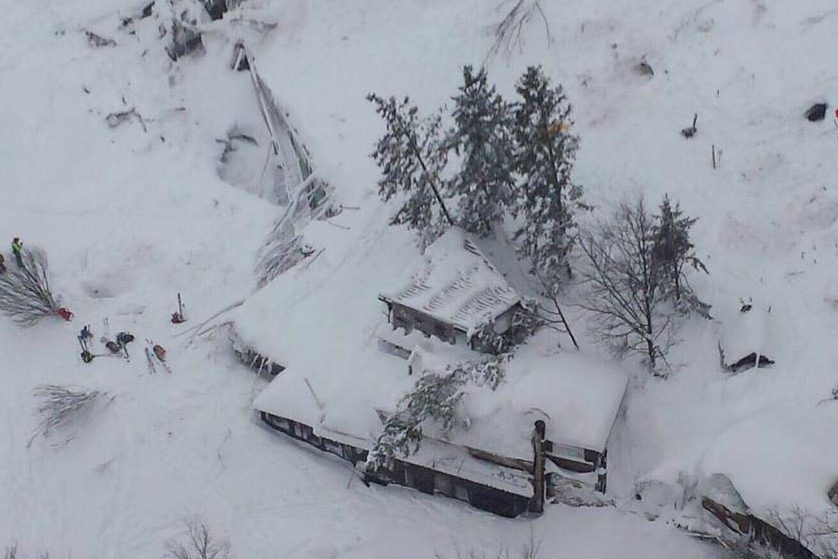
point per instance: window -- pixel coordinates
(333, 447)
(444, 332)
(444, 484)
(461, 492)
(569, 452)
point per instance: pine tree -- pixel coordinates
(411, 158)
(673, 252)
(484, 185)
(436, 396)
(547, 197)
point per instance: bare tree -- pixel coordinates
(25, 294)
(198, 543)
(552, 316)
(626, 293)
(60, 406)
(11, 552)
(509, 32)
(817, 533)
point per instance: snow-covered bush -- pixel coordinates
(523, 323)
(198, 543)
(61, 406)
(25, 294)
(178, 21)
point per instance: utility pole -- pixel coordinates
(537, 502)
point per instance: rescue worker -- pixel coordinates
(159, 352)
(17, 250)
(84, 336)
(122, 340)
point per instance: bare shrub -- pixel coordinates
(12, 553)
(529, 550)
(198, 543)
(60, 407)
(509, 33)
(25, 294)
(817, 533)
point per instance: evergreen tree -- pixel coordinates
(547, 197)
(674, 252)
(483, 137)
(411, 158)
(436, 396)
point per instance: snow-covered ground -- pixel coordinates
(129, 218)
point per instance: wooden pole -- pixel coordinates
(179, 305)
(713, 151)
(537, 502)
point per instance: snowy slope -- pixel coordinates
(129, 218)
(767, 214)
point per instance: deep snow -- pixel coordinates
(130, 218)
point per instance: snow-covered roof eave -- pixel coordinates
(454, 282)
(456, 461)
(465, 328)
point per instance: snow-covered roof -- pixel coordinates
(577, 396)
(454, 282)
(321, 320)
(781, 457)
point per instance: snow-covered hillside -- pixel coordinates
(134, 214)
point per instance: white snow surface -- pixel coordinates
(577, 396)
(129, 218)
(758, 330)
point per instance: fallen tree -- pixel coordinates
(60, 407)
(25, 294)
